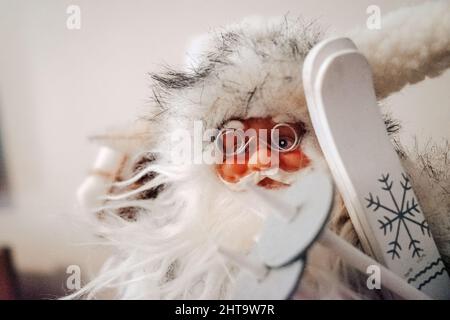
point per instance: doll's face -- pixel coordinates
(261, 147)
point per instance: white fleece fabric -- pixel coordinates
(412, 44)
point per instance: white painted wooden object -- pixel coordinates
(375, 188)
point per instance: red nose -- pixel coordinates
(263, 159)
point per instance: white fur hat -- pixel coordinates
(252, 69)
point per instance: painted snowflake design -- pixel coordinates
(402, 216)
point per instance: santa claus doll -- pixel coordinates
(165, 209)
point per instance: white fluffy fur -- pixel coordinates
(412, 44)
(429, 168)
(171, 252)
(259, 76)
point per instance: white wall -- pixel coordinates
(58, 86)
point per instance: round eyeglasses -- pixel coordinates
(283, 138)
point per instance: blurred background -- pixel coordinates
(59, 86)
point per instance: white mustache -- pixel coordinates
(255, 177)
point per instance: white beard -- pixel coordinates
(171, 251)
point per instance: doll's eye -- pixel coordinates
(284, 138)
(285, 143)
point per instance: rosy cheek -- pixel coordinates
(293, 161)
(232, 172)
